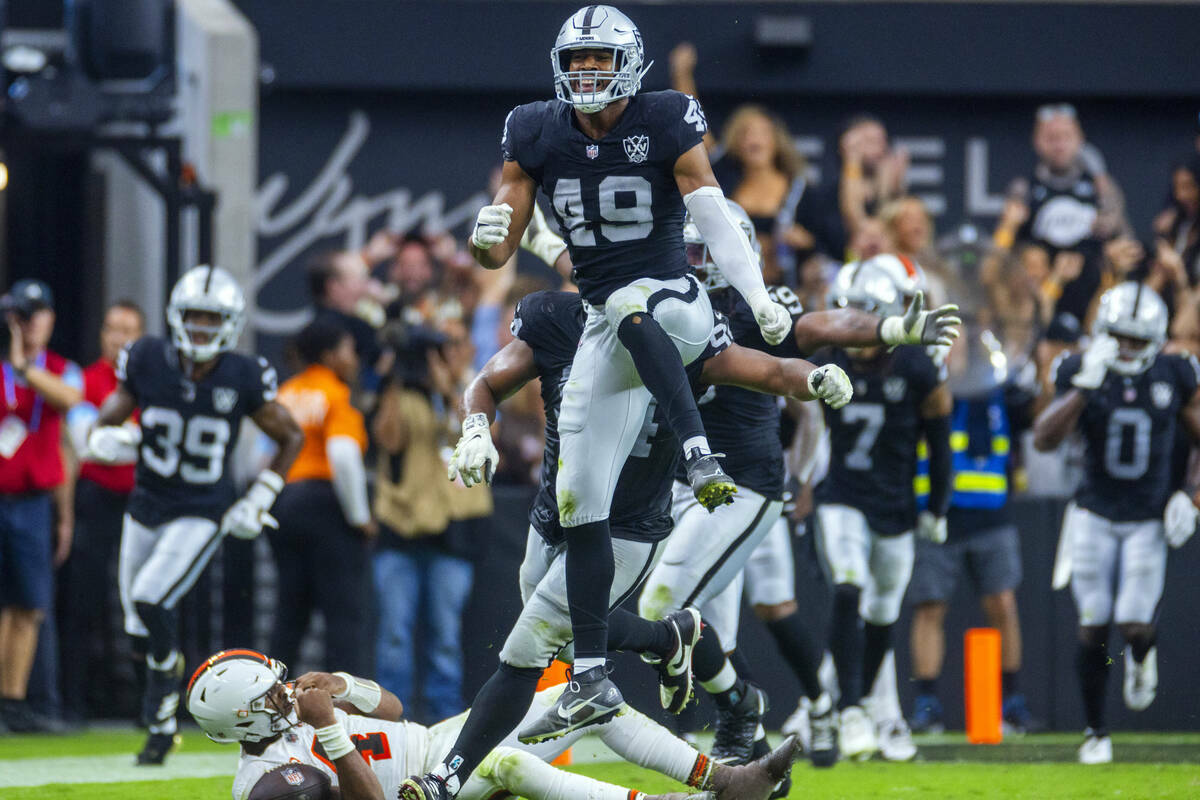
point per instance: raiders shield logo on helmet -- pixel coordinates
(637, 147)
(224, 399)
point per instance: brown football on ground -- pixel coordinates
(293, 782)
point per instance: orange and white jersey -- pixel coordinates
(394, 750)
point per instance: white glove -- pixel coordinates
(491, 226)
(831, 384)
(937, 326)
(931, 528)
(475, 456)
(1099, 356)
(114, 444)
(1180, 519)
(540, 239)
(247, 517)
(773, 319)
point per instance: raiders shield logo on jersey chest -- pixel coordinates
(637, 147)
(1161, 394)
(894, 388)
(224, 399)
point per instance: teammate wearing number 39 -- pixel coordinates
(1128, 399)
(193, 393)
(620, 168)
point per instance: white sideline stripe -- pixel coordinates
(117, 768)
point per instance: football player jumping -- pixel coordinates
(866, 508)
(1128, 399)
(349, 730)
(193, 392)
(548, 327)
(707, 552)
(619, 169)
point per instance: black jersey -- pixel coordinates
(1129, 428)
(873, 438)
(744, 424)
(189, 430)
(615, 198)
(551, 324)
(1062, 212)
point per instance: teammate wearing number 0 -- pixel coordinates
(1128, 399)
(619, 168)
(866, 508)
(193, 394)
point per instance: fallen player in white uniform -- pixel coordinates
(343, 736)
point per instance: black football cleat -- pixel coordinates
(733, 740)
(675, 673)
(711, 486)
(823, 740)
(154, 752)
(589, 698)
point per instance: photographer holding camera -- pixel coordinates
(39, 387)
(429, 528)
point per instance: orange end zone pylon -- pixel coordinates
(982, 692)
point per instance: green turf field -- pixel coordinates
(98, 766)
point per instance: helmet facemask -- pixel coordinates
(1136, 316)
(601, 28)
(217, 698)
(212, 292)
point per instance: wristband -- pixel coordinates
(363, 694)
(266, 488)
(335, 741)
(474, 422)
(1003, 238)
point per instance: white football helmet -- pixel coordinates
(598, 27)
(905, 273)
(700, 260)
(211, 289)
(868, 286)
(1133, 310)
(230, 697)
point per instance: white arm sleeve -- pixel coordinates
(731, 250)
(349, 478)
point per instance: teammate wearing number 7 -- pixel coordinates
(866, 505)
(620, 168)
(193, 393)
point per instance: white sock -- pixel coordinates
(698, 442)
(524, 775)
(167, 726)
(584, 664)
(642, 741)
(885, 699)
(723, 681)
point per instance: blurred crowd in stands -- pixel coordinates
(423, 318)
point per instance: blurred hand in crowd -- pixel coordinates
(1067, 266)
(1016, 211)
(1123, 255)
(682, 60)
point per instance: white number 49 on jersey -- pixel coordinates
(695, 115)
